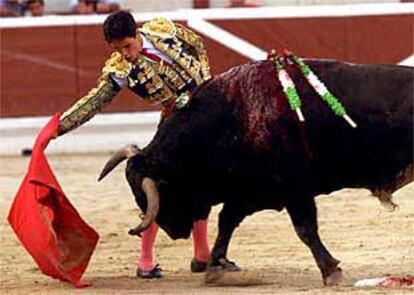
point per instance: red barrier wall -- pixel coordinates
(45, 69)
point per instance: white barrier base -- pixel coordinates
(104, 133)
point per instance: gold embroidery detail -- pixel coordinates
(195, 41)
(163, 95)
(131, 82)
(174, 79)
(141, 78)
(154, 85)
(181, 58)
(149, 78)
(160, 82)
(86, 107)
(160, 27)
(161, 68)
(117, 65)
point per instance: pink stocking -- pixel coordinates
(200, 240)
(146, 260)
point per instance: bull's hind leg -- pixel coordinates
(229, 218)
(303, 215)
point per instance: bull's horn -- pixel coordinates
(122, 154)
(153, 204)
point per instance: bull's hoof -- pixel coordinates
(230, 265)
(334, 278)
(213, 274)
(198, 266)
(216, 272)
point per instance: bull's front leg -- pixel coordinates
(229, 219)
(304, 217)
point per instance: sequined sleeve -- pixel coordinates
(89, 105)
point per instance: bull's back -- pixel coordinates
(380, 100)
(378, 97)
(384, 92)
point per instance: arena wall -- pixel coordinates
(48, 63)
(62, 6)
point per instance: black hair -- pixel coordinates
(119, 25)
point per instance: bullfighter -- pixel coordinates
(161, 62)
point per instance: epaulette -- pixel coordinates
(188, 36)
(117, 65)
(160, 27)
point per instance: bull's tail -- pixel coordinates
(122, 154)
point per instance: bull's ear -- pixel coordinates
(122, 154)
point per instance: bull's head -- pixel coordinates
(145, 186)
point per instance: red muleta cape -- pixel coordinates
(46, 223)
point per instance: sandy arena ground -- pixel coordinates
(369, 241)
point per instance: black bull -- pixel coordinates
(238, 143)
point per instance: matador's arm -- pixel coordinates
(89, 105)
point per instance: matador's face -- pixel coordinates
(128, 47)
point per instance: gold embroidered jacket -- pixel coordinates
(157, 82)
